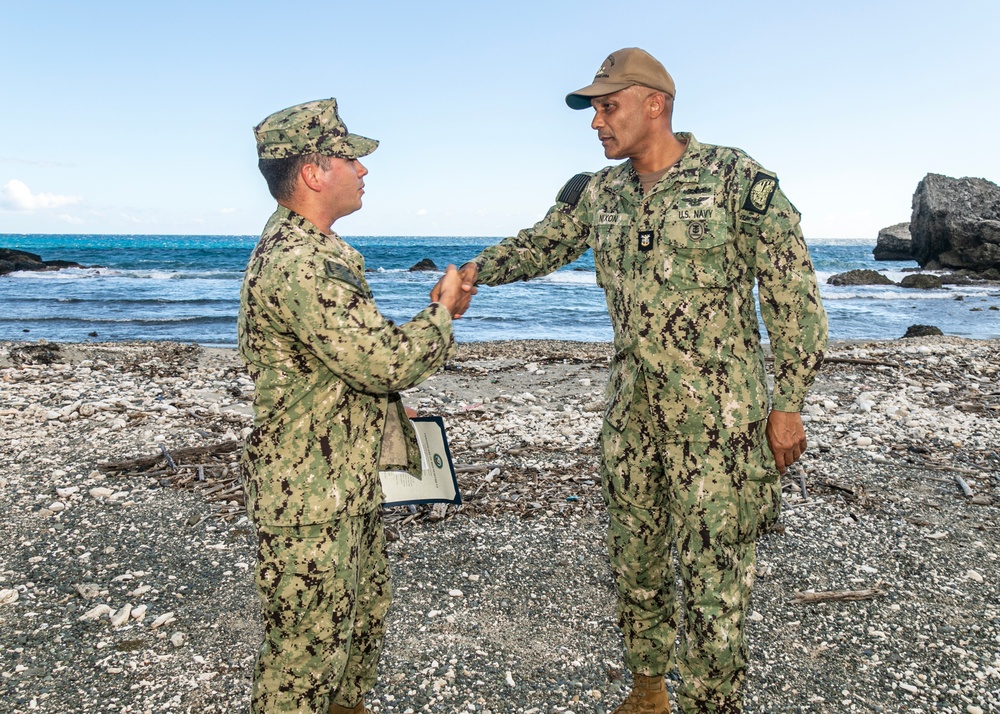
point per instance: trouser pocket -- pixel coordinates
(758, 486)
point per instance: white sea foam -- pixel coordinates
(832, 293)
(73, 274)
(65, 274)
(579, 277)
(839, 241)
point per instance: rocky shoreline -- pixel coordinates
(125, 579)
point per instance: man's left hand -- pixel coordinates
(786, 437)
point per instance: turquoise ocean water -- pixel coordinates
(186, 288)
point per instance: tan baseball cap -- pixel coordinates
(624, 68)
(310, 128)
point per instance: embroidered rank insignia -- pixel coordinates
(761, 192)
(573, 189)
(343, 274)
(645, 241)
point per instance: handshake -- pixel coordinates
(455, 289)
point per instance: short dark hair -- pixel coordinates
(280, 174)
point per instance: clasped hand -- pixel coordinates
(455, 289)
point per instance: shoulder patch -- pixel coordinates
(573, 189)
(342, 273)
(761, 192)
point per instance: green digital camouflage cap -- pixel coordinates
(624, 68)
(310, 128)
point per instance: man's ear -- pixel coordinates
(657, 102)
(309, 173)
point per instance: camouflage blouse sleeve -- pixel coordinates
(788, 293)
(558, 239)
(337, 319)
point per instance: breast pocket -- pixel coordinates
(697, 255)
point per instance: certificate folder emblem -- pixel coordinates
(437, 483)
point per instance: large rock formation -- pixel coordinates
(12, 261)
(893, 243)
(956, 223)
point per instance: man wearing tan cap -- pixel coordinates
(327, 367)
(692, 443)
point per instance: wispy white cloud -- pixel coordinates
(132, 218)
(32, 162)
(15, 195)
(227, 211)
(423, 212)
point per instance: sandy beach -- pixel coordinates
(126, 558)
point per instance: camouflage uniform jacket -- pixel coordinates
(678, 267)
(326, 365)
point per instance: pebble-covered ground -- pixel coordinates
(130, 590)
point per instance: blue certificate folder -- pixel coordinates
(438, 483)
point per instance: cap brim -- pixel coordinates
(353, 146)
(580, 99)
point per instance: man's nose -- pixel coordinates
(597, 123)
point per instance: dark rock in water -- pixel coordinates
(19, 255)
(922, 331)
(893, 243)
(12, 261)
(956, 223)
(923, 281)
(424, 264)
(859, 277)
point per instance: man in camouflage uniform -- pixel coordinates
(680, 232)
(327, 367)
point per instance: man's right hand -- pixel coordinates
(470, 276)
(451, 292)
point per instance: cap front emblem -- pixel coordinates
(606, 67)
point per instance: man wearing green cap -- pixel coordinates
(327, 368)
(692, 443)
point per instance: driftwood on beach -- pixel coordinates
(142, 463)
(811, 598)
(209, 470)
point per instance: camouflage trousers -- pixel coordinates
(325, 591)
(705, 498)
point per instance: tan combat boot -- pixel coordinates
(358, 708)
(648, 696)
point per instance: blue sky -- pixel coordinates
(135, 117)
